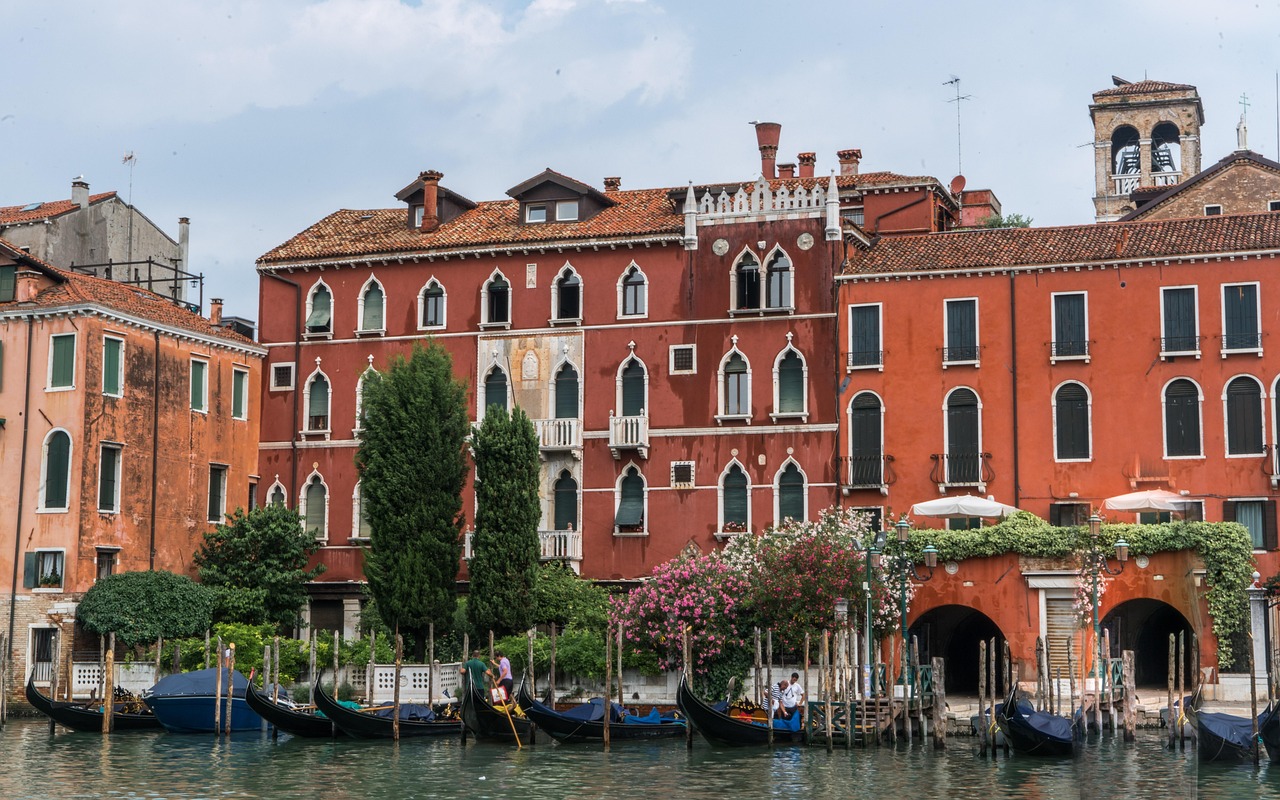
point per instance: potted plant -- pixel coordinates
(50, 580)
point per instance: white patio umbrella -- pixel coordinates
(964, 506)
(1151, 500)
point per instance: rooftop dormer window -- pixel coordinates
(535, 212)
(551, 197)
(567, 211)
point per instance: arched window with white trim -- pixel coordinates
(276, 495)
(566, 296)
(791, 495)
(1243, 410)
(320, 310)
(495, 300)
(1072, 434)
(565, 498)
(431, 305)
(778, 281)
(359, 514)
(55, 471)
(735, 499)
(372, 307)
(866, 441)
(633, 387)
(496, 391)
(790, 383)
(631, 501)
(1182, 398)
(314, 507)
(369, 374)
(565, 393)
(316, 401)
(746, 282)
(734, 382)
(633, 293)
(964, 436)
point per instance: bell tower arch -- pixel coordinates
(1145, 135)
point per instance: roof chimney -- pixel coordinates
(807, 160)
(80, 192)
(27, 284)
(430, 200)
(849, 161)
(184, 241)
(612, 184)
(767, 135)
(215, 311)
(786, 170)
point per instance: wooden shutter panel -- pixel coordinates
(111, 366)
(495, 389)
(373, 309)
(864, 324)
(1269, 525)
(238, 393)
(30, 570)
(321, 309)
(631, 501)
(566, 499)
(791, 384)
(962, 329)
(632, 389)
(8, 283)
(1244, 417)
(791, 494)
(1060, 621)
(56, 465)
(64, 360)
(315, 509)
(318, 406)
(567, 393)
(735, 496)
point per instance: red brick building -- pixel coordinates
(1053, 368)
(674, 346)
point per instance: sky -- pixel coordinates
(256, 119)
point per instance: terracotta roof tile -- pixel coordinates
(1012, 247)
(640, 212)
(16, 215)
(76, 288)
(1143, 87)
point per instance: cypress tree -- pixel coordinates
(505, 549)
(412, 462)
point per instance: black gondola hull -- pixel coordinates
(1222, 737)
(567, 729)
(1269, 731)
(1037, 734)
(488, 723)
(719, 728)
(296, 723)
(85, 719)
(361, 725)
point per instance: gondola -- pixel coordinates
(87, 717)
(289, 720)
(1032, 732)
(1223, 737)
(415, 720)
(489, 723)
(717, 727)
(586, 723)
(191, 702)
(1269, 730)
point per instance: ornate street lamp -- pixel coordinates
(874, 548)
(906, 572)
(1098, 562)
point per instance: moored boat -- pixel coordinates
(1223, 737)
(1269, 730)
(185, 702)
(290, 720)
(415, 720)
(491, 723)
(717, 726)
(87, 717)
(1032, 732)
(586, 722)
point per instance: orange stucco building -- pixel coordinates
(128, 427)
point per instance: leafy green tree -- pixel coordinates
(141, 607)
(561, 597)
(1005, 221)
(412, 461)
(505, 549)
(256, 565)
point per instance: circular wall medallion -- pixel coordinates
(720, 246)
(1142, 562)
(804, 241)
(951, 567)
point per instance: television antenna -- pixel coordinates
(955, 81)
(130, 159)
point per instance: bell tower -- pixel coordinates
(1145, 135)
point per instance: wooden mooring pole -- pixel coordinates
(217, 691)
(1175, 719)
(109, 686)
(826, 685)
(1130, 696)
(551, 670)
(939, 704)
(1182, 684)
(688, 678)
(608, 682)
(983, 728)
(231, 692)
(395, 690)
(769, 680)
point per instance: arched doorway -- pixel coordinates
(1143, 626)
(954, 633)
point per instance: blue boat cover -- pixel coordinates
(200, 683)
(593, 711)
(409, 711)
(1049, 724)
(1228, 727)
(779, 724)
(652, 718)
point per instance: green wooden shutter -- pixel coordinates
(1072, 406)
(864, 336)
(315, 509)
(30, 570)
(495, 389)
(1241, 310)
(1244, 417)
(735, 496)
(1269, 525)
(632, 389)
(791, 494)
(567, 393)
(111, 351)
(8, 282)
(1180, 319)
(962, 437)
(566, 500)
(318, 405)
(57, 465)
(631, 501)
(239, 380)
(962, 330)
(107, 479)
(365, 529)
(1069, 325)
(321, 311)
(198, 369)
(791, 384)
(373, 308)
(64, 361)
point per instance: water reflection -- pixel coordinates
(158, 765)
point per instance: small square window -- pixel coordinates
(684, 359)
(199, 385)
(1213, 210)
(106, 562)
(682, 474)
(535, 213)
(281, 377)
(1273, 205)
(567, 211)
(46, 569)
(217, 492)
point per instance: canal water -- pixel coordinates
(34, 764)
